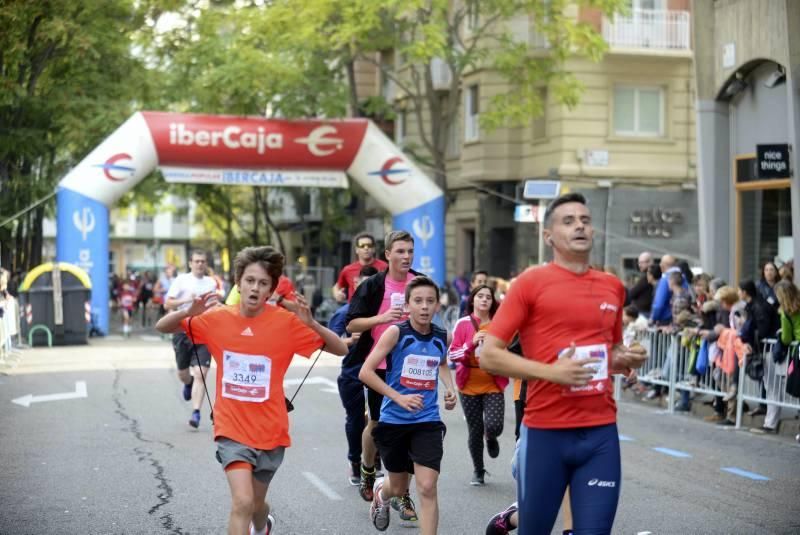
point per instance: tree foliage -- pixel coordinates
(70, 72)
(67, 79)
(468, 36)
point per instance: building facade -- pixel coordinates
(628, 146)
(748, 121)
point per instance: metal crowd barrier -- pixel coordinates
(771, 389)
(671, 364)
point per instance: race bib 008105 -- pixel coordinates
(419, 372)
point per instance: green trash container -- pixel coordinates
(56, 297)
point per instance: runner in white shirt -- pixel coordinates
(182, 292)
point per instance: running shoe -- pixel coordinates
(355, 474)
(187, 390)
(367, 482)
(492, 447)
(379, 510)
(194, 421)
(500, 524)
(405, 509)
(270, 523)
(478, 478)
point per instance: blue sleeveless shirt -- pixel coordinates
(413, 368)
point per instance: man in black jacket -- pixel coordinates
(377, 304)
(641, 294)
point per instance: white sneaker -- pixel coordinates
(379, 510)
(268, 527)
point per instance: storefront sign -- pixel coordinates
(654, 223)
(528, 213)
(773, 161)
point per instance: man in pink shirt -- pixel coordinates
(377, 304)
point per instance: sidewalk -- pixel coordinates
(789, 425)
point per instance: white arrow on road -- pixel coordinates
(331, 386)
(80, 392)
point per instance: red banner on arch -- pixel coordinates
(243, 142)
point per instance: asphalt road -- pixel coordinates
(123, 460)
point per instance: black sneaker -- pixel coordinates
(365, 490)
(493, 447)
(478, 478)
(187, 390)
(355, 474)
(500, 524)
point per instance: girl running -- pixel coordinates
(481, 393)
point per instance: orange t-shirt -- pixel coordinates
(551, 307)
(252, 356)
(480, 381)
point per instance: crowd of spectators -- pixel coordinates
(710, 315)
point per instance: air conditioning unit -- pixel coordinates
(441, 75)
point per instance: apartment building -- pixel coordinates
(628, 146)
(141, 240)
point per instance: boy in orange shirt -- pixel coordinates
(253, 344)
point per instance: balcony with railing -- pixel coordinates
(648, 30)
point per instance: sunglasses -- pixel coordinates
(365, 245)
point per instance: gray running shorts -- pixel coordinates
(264, 462)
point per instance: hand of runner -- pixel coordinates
(410, 402)
(632, 357)
(449, 400)
(393, 315)
(568, 371)
(302, 310)
(201, 303)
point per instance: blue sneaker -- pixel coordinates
(187, 390)
(194, 421)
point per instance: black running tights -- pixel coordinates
(485, 415)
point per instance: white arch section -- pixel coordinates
(231, 150)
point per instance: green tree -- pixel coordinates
(466, 35)
(230, 57)
(67, 79)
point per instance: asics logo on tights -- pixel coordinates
(599, 483)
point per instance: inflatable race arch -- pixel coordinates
(231, 150)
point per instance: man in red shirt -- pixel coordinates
(569, 320)
(365, 256)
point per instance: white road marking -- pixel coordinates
(330, 386)
(80, 392)
(322, 486)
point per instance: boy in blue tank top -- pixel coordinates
(410, 433)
